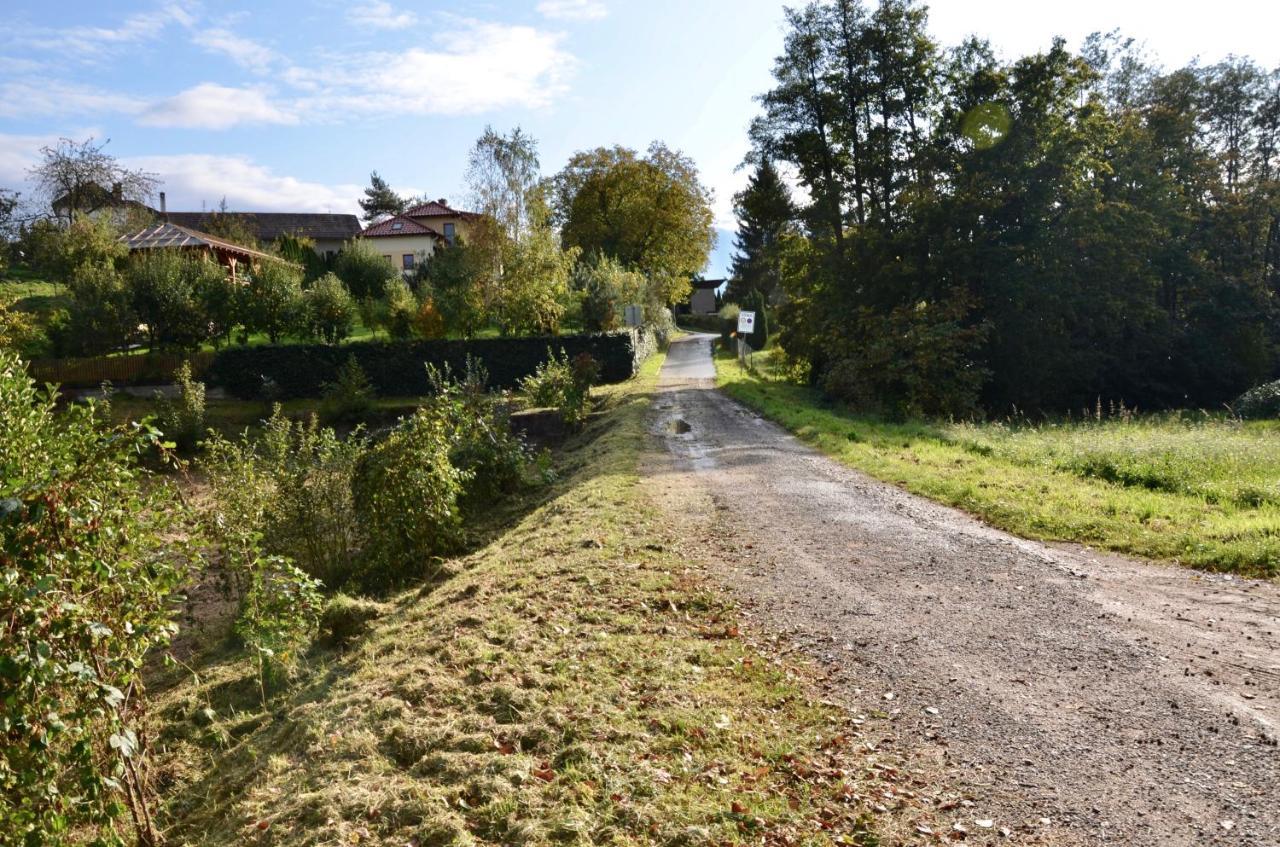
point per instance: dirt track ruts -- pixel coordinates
(1127, 702)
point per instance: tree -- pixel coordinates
(766, 218)
(60, 251)
(163, 288)
(606, 288)
(401, 309)
(535, 283)
(452, 277)
(331, 312)
(101, 317)
(365, 271)
(379, 200)
(272, 302)
(81, 179)
(502, 171)
(650, 213)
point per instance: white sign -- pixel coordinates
(632, 316)
(746, 323)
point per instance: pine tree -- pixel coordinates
(380, 200)
(765, 218)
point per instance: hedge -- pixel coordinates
(398, 368)
(138, 369)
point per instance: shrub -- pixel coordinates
(330, 311)
(272, 302)
(396, 368)
(278, 618)
(163, 291)
(182, 422)
(349, 398)
(563, 384)
(1262, 401)
(288, 495)
(428, 322)
(479, 427)
(402, 309)
(17, 329)
(406, 499)
(101, 317)
(364, 270)
(89, 573)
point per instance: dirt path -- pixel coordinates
(1126, 702)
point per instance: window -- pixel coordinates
(407, 261)
(388, 258)
(448, 233)
(397, 226)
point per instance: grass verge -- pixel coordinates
(570, 682)
(1192, 489)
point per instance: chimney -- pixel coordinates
(164, 213)
(443, 202)
(117, 192)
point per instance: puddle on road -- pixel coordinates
(679, 427)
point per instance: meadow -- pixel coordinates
(1194, 488)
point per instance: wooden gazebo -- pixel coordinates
(169, 236)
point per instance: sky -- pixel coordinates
(288, 106)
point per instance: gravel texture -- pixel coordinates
(1110, 700)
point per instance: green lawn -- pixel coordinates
(1196, 489)
(30, 293)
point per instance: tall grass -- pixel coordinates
(1190, 487)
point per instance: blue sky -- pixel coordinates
(289, 106)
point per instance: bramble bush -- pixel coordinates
(479, 429)
(349, 398)
(563, 384)
(88, 575)
(406, 498)
(287, 494)
(182, 420)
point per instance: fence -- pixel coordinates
(156, 369)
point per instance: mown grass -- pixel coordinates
(1191, 488)
(570, 682)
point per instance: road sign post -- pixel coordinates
(746, 326)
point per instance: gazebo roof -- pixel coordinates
(170, 235)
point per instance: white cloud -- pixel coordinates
(89, 42)
(380, 15)
(44, 98)
(193, 179)
(573, 10)
(245, 52)
(479, 67)
(213, 106)
(18, 153)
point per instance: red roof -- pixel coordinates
(436, 209)
(399, 225)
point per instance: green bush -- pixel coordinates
(1262, 401)
(164, 290)
(182, 422)
(101, 316)
(563, 384)
(479, 427)
(89, 570)
(406, 499)
(350, 398)
(396, 368)
(290, 494)
(330, 311)
(401, 309)
(364, 270)
(278, 617)
(272, 302)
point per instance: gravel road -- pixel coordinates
(1125, 702)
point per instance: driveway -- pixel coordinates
(1108, 700)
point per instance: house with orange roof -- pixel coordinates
(408, 238)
